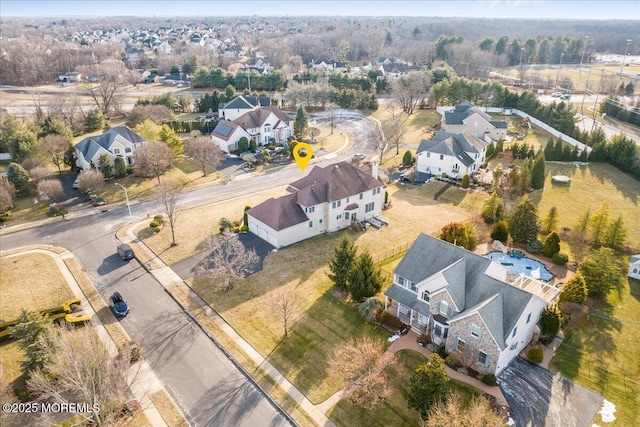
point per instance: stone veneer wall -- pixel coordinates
(460, 329)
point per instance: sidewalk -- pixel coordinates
(141, 379)
(168, 279)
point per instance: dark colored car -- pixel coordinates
(125, 252)
(119, 305)
(98, 201)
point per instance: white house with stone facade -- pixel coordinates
(455, 154)
(328, 199)
(463, 301)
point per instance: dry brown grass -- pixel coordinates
(167, 409)
(11, 355)
(32, 282)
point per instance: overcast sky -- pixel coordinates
(550, 9)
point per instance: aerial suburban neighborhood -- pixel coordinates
(319, 213)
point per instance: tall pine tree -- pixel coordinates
(524, 224)
(301, 123)
(344, 257)
(364, 279)
(537, 172)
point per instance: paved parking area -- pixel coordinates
(538, 397)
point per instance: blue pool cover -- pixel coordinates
(527, 266)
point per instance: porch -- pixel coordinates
(536, 287)
(416, 321)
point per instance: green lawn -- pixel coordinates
(591, 185)
(395, 411)
(601, 351)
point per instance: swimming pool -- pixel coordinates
(517, 266)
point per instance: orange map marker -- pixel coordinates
(302, 152)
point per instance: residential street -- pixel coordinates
(205, 384)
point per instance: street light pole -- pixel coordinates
(625, 54)
(584, 50)
(126, 197)
(520, 64)
(595, 106)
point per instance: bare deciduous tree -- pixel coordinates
(7, 194)
(229, 260)
(90, 180)
(394, 128)
(411, 89)
(204, 152)
(288, 304)
(359, 363)
(104, 80)
(153, 159)
(39, 172)
(83, 371)
(478, 412)
(169, 195)
(52, 188)
(55, 147)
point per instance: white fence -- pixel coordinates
(5, 156)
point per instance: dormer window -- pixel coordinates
(444, 308)
(425, 296)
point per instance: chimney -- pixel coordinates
(374, 169)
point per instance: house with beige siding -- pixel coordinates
(466, 117)
(328, 199)
(463, 301)
(119, 141)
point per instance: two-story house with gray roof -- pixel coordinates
(241, 105)
(455, 154)
(463, 301)
(466, 117)
(328, 199)
(119, 141)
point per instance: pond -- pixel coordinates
(517, 266)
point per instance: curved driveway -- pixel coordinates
(206, 385)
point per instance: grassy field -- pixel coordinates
(395, 411)
(601, 351)
(590, 186)
(44, 288)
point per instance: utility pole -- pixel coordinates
(625, 54)
(559, 68)
(520, 65)
(583, 52)
(586, 89)
(595, 106)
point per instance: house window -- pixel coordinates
(267, 128)
(425, 296)
(428, 154)
(346, 215)
(361, 194)
(116, 151)
(422, 320)
(635, 270)
(310, 224)
(401, 281)
(476, 155)
(529, 318)
(127, 149)
(475, 331)
(320, 221)
(460, 345)
(412, 286)
(444, 308)
(368, 207)
(441, 157)
(483, 358)
(312, 209)
(339, 216)
(515, 330)
(455, 166)
(347, 200)
(438, 330)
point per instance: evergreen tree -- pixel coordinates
(601, 272)
(169, 137)
(524, 224)
(550, 321)
(575, 290)
(429, 385)
(105, 166)
(550, 222)
(460, 234)
(301, 123)
(119, 167)
(493, 209)
(243, 145)
(538, 172)
(490, 151)
(407, 158)
(32, 332)
(500, 231)
(19, 177)
(548, 150)
(364, 279)
(465, 181)
(599, 224)
(616, 233)
(95, 120)
(551, 245)
(252, 145)
(344, 257)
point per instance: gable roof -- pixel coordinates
(257, 117)
(91, 145)
(462, 111)
(428, 256)
(331, 183)
(453, 144)
(239, 102)
(634, 259)
(280, 213)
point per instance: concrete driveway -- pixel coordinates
(539, 397)
(186, 268)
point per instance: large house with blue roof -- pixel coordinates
(463, 301)
(455, 154)
(119, 141)
(466, 117)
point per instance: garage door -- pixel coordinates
(266, 236)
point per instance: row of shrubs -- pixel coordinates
(53, 314)
(156, 224)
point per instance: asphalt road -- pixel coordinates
(208, 388)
